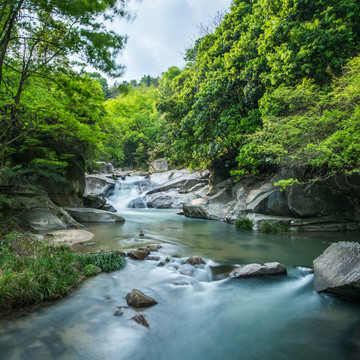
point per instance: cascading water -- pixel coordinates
(201, 314)
(128, 192)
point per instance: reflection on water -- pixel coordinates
(200, 313)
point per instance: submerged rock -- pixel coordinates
(254, 270)
(195, 260)
(140, 319)
(136, 298)
(337, 270)
(154, 247)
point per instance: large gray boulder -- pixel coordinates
(99, 185)
(256, 270)
(93, 215)
(337, 270)
(37, 210)
(319, 200)
(105, 168)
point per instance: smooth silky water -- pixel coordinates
(201, 314)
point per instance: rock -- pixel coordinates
(324, 223)
(93, 215)
(137, 299)
(158, 166)
(337, 270)
(97, 185)
(195, 260)
(319, 200)
(161, 263)
(259, 219)
(180, 212)
(154, 247)
(71, 236)
(140, 253)
(255, 270)
(118, 313)
(140, 319)
(94, 202)
(138, 203)
(105, 168)
(37, 210)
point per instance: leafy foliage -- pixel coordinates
(244, 223)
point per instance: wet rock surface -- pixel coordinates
(337, 269)
(137, 299)
(195, 260)
(255, 270)
(93, 215)
(140, 319)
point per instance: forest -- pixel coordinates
(275, 84)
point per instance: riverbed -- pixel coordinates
(201, 314)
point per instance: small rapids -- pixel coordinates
(201, 314)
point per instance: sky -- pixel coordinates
(160, 32)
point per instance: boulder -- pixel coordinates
(140, 253)
(256, 270)
(99, 185)
(319, 200)
(195, 260)
(158, 166)
(324, 223)
(37, 210)
(337, 270)
(93, 215)
(137, 299)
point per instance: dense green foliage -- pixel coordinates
(273, 228)
(32, 271)
(265, 65)
(49, 114)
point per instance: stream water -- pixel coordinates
(200, 313)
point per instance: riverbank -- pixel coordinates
(34, 271)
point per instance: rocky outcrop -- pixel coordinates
(37, 210)
(93, 215)
(317, 207)
(158, 166)
(173, 188)
(256, 270)
(337, 270)
(99, 185)
(137, 299)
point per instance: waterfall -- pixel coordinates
(129, 191)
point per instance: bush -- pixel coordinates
(244, 223)
(269, 228)
(91, 270)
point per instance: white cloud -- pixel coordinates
(161, 32)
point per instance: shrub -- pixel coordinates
(269, 228)
(91, 270)
(244, 223)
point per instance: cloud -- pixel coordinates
(160, 33)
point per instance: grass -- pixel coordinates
(33, 271)
(276, 228)
(244, 223)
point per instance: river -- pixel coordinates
(201, 314)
